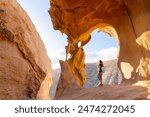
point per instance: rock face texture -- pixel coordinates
(127, 20)
(25, 69)
(113, 92)
(67, 80)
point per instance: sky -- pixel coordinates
(101, 46)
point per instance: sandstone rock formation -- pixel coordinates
(111, 75)
(67, 80)
(139, 91)
(68, 89)
(127, 20)
(25, 69)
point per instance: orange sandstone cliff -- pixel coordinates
(126, 20)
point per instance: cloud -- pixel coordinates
(104, 55)
(56, 56)
(91, 56)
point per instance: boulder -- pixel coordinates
(25, 69)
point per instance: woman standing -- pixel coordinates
(100, 72)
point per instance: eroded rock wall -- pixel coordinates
(67, 80)
(25, 69)
(129, 20)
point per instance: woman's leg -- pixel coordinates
(100, 78)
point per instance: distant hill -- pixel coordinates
(55, 75)
(111, 75)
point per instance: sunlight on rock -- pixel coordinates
(43, 93)
(144, 40)
(144, 67)
(127, 69)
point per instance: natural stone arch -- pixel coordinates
(76, 17)
(77, 59)
(86, 38)
(111, 72)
